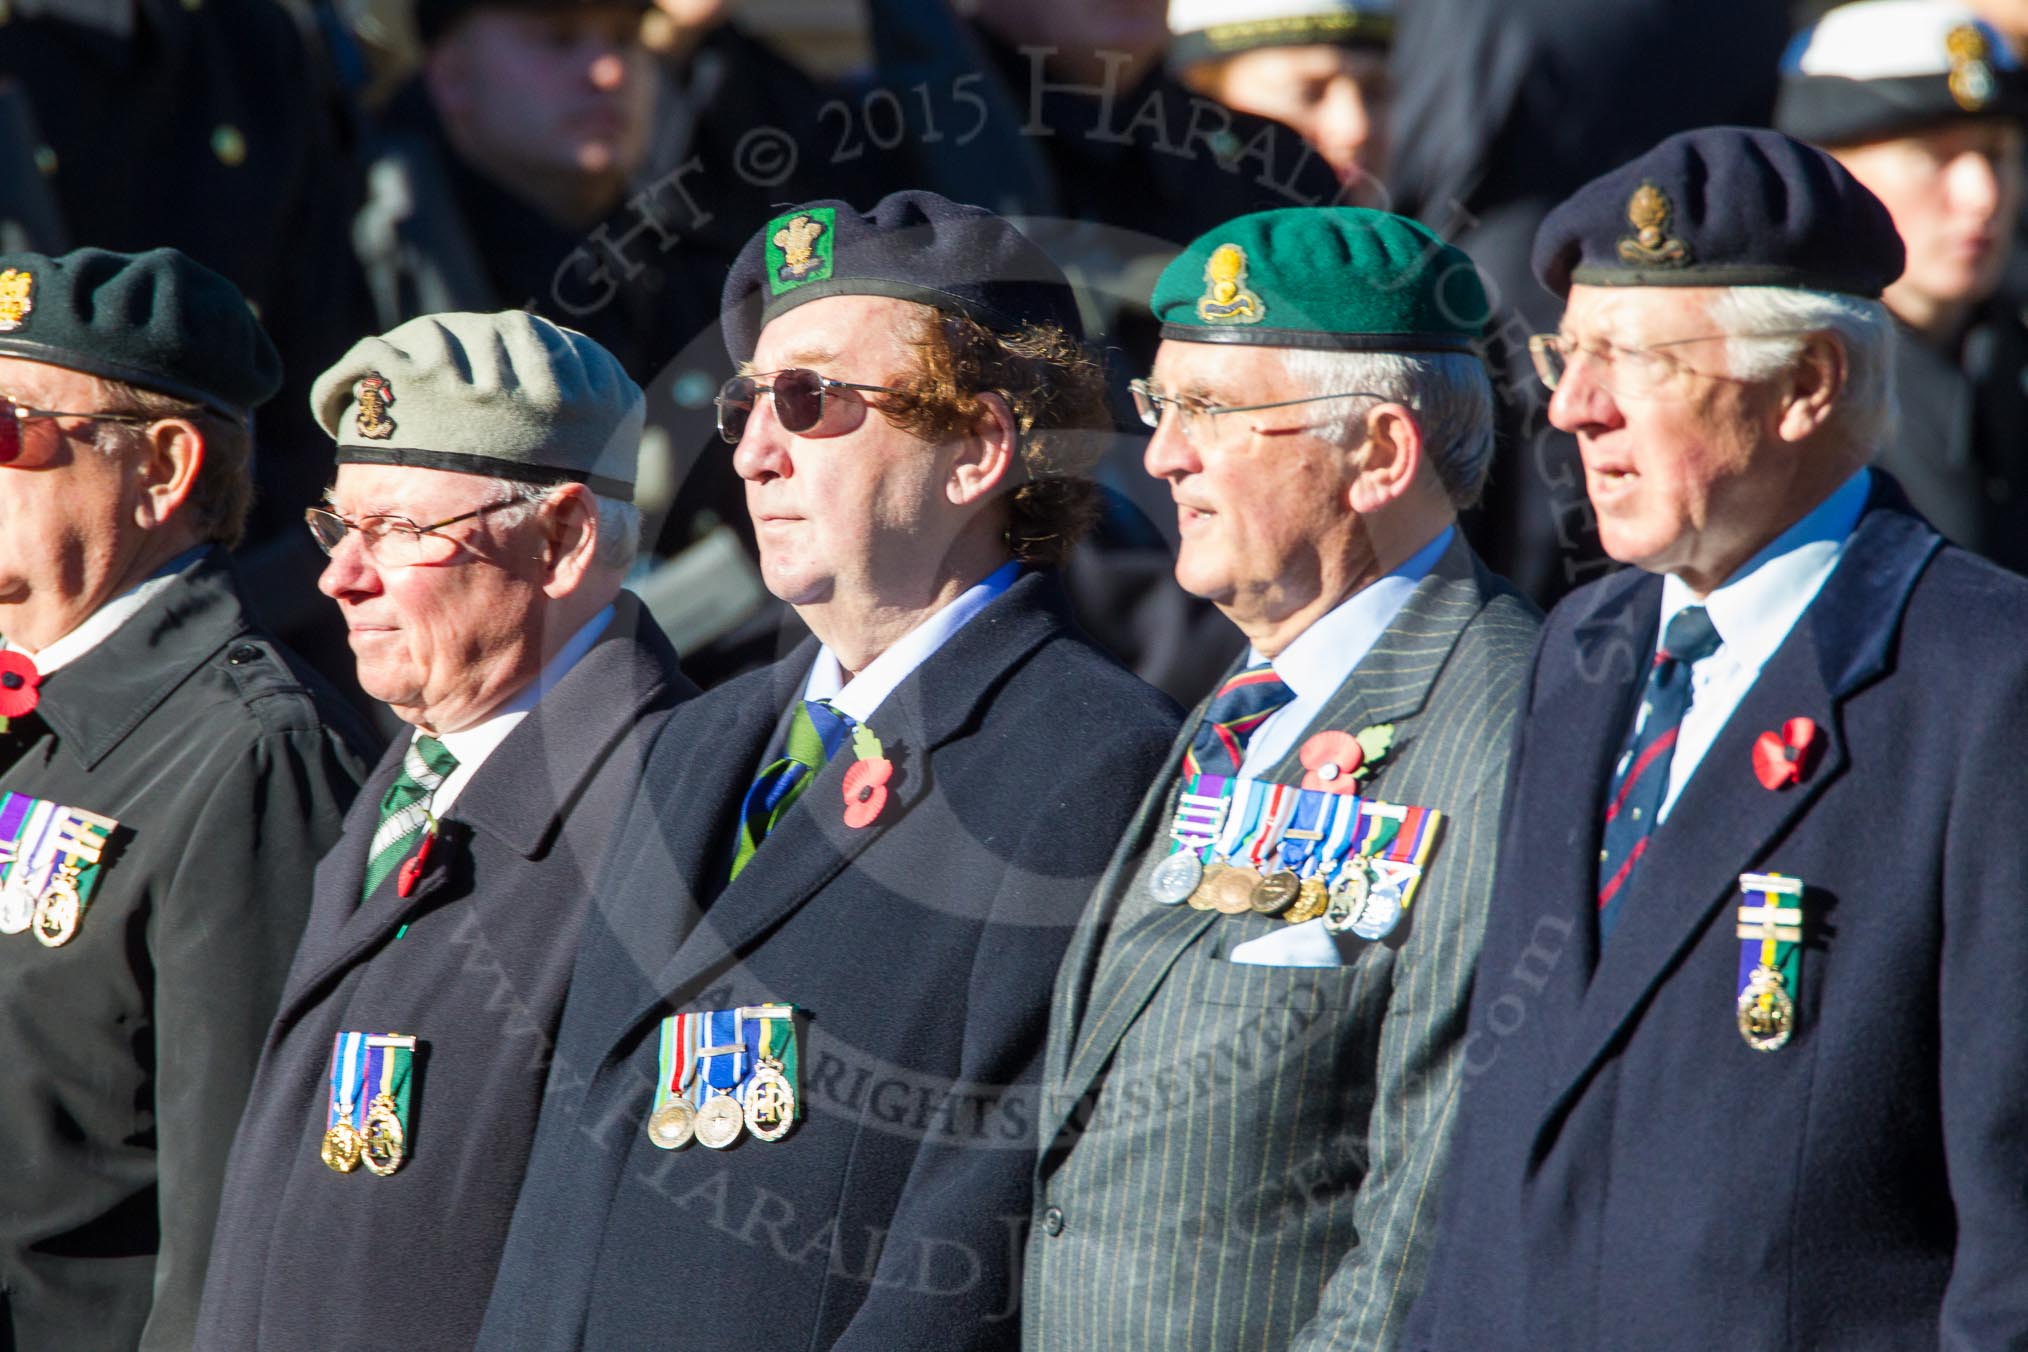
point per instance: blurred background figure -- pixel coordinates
(1923, 103)
(1319, 66)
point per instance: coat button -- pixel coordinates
(1052, 1221)
(243, 654)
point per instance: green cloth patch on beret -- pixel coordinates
(1343, 279)
(508, 396)
(159, 320)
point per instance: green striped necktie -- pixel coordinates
(816, 731)
(404, 812)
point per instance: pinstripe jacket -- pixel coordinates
(1238, 1156)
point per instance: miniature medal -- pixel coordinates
(1232, 891)
(724, 1063)
(342, 1146)
(17, 907)
(1273, 894)
(673, 1125)
(1200, 815)
(1770, 933)
(56, 914)
(342, 1143)
(1767, 1016)
(1175, 878)
(719, 1121)
(384, 1144)
(770, 1103)
(1311, 900)
(1349, 891)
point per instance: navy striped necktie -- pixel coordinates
(1641, 779)
(1246, 700)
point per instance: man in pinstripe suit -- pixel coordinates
(1249, 1110)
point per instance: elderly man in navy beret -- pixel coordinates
(168, 778)
(795, 1092)
(1746, 1065)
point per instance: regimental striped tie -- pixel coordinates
(1241, 705)
(1641, 780)
(404, 808)
(816, 731)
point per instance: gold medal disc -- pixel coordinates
(770, 1104)
(1311, 900)
(673, 1125)
(341, 1148)
(1200, 896)
(719, 1122)
(1273, 894)
(385, 1144)
(56, 914)
(1232, 893)
(1767, 1014)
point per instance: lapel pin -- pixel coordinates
(1781, 759)
(866, 779)
(1339, 762)
(18, 686)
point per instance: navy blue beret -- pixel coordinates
(914, 246)
(159, 320)
(1722, 206)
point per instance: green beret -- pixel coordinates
(1341, 279)
(508, 396)
(159, 320)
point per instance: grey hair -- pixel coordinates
(1448, 392)
(619, 523)
(1866, 411)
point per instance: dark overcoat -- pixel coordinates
(320, 1261)
(1630, 1173)
(920, 948)
(128, 1051)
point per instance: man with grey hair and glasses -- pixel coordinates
(1255, 1046)
(1745, 1066)
(478, 530)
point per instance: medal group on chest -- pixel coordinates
(49, 865)
(726, 1073)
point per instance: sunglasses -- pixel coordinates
(801, 400)
(13, 446)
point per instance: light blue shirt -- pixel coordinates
(864, 693)
(1322, 657)
(1753, 612)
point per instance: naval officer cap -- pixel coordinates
(508, 396)
(1345, 279)
(915, 246)
(1210, 30)
(1887, 68)
(1722, 206)
(159, 320)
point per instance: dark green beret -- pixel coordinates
(1341, 279)
(159, 320)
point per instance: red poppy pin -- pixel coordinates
(866, 779)
(1338, 762)
(19, 682)
(412, 867)
(1781, 759)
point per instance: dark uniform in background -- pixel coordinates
(227, 768)
(466, 948)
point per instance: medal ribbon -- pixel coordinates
(1771, 928)
(1400, 840)
(769, 1032)
(1248, 796)
(1338, 841)
(388, 1058)
(1200, 813)
(677, 1062)
(724, 1061)
(34, 850)
(1306, 830)
(348, 1080)
(1280, 800)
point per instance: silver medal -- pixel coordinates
(1175, 878)
(17, 906)
(1378, 917)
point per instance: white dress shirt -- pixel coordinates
(106, 621)
(864, 693)
(1753, 612)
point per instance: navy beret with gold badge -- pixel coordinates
(1879, 69)
(159, 320)
(1722, 206)
(1344, 279)
(916, 246)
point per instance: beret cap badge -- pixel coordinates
(801, 249)
(1651, 245)
(1226, 299)
(1971, 78)
(375, 394)
(17, 298)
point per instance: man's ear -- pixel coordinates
(570, 538)
(1816, 383)
(172, 456)
(986, 454)
(1386, 463)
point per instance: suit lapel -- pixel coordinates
(1725, 821)
(1391, 682)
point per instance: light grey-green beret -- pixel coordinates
(509, 396)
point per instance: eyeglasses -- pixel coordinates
(13, 446)
(802, 398)
(1150, 404)
(392, 541)
(1630, 372)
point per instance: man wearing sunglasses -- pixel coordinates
(1746, 1053)
(479, 527)
(1254, 1048)
(884, 838)
(168, 779)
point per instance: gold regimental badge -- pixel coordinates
(1226, 299)
(17, 298)
(383, 1145)
(1651, 245)
(798, 242)
(375, 395)
(1971, 78)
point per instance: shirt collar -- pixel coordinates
(1758, 605)
(472, 745)
(1319, 659)
(104, 622)
(864, 693)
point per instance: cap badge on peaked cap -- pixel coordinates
(1651, 245)
(1226, 299)
(375, 394)
(1971, 76)
(17, 298)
